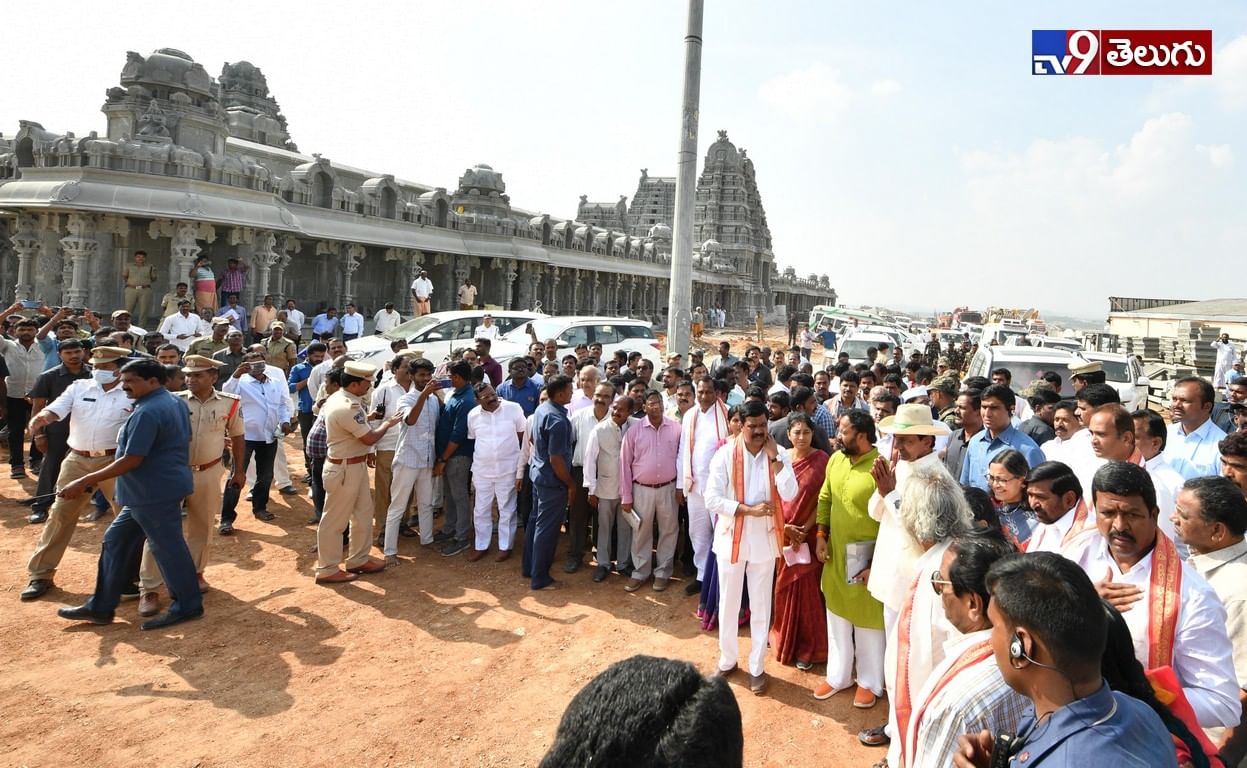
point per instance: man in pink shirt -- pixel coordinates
(647, 492)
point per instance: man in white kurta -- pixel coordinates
(702, 432)
(497, 426)
(751, 553)
(1199, 650)
(1227, 354)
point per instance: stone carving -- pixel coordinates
(66, 191)
(154, 123)
(192, 205)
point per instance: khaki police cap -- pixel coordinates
(109, 354)
(199, 363)
(360, 370)
(1079, 367)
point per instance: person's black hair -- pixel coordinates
(1013, 462)
(146, 368)
(976, 382)
(421, 364)
(1042, 396)
(1220, 501)
(887, 397)
(1207, 394)
(861, 421)
(800, 396)
(1154, 424)
(871, 352)
(163, 347)
(477, 375)
(1060, 475)
(800, 418)
(1066, 405)
(1121, 669)
(556, 384)
(628, 403)
(974, 554)
(651, 394)
(26, 322)
(1005, 372)
(755, 393)
(721, 386)
(975, 395)
(894, 378)
(751, 409)
(1096, 395)
(620, 382)
(912, 366)
(803, 379)
(1234, 444)
(462, 369)
(335, 375)
(1054, 599)
(1122, 478)
(349, 379)
(61, 346)
(488, 344)
(64, 323)
(784, 372)
(315, 346)
(926, 375)
(1053, 378)
(1003, 393)
(841, 368)
(181, 284)
(679, 373)
(651, 712)
(850, 377)
(1122, 420)
(780, 398)
(982, 506)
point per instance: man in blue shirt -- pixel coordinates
(454, 460)
(553, 487)
(152, 467)
(325, 322)
(352, 324)
(1049, 630)
(1191, 447)
(519, 388)
(997, 403)
(314, 355)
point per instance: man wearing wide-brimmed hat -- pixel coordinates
(216, 420)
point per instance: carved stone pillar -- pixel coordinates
(286, 246)
(596, 288)
(264, 256)
(535, 278)
(575, 306)
(25, 240)
(80, 245)
(508, 281)
(555, 277)
(352, 254)
(631, 295)
(185, 247)
(461, 273)
(244, 238)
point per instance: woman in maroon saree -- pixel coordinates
(799, 623)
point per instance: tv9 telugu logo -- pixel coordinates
(1121, 52)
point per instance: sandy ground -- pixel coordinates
(439, 662)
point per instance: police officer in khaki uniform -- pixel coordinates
(216, 421)
(95, 409)
(139, 276)
(207, 346)
(348, 499)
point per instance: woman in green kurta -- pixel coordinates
(854, 617)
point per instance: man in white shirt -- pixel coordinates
(966, 692)
(385, 399)
(1211, 517)
(601, 476)
(1191, 448)
(386, 318)
(487, 329)
(467, 294)
(750, 478)
(497, 426)
(1227, 355)
(1065, 423)
(1062, 517)
(295, 318)
(421, 291)
(24, 359)
(702, 433)
(266, 412)
(1175, 617)
(1150, 435)
(352, 323)
(183, 327)
(316, 378)
(100, 407)
(586, 384)
(414, 458)
(583, 421)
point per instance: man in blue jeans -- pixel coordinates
(152, 467)
(454, 461)
(553, 487)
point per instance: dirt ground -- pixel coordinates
(439, 662)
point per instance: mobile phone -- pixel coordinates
(1003, 749)
(31, 303)
(257, 366)
(444, 384)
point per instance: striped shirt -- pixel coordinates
(232, 280)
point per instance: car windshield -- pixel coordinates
(856, 348)
(1116, 371)
(413, 327)
(545, 328)
(1026, 372)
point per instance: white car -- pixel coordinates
(613, 333)
(1124, 374)
(435, 335)
(857, 341)
(1025, 365)
(896, 337)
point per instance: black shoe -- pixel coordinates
(441, 536)
(626, 571)
(169, 618)
(247, 497)
(36, 588)
(265, 515)
(17, 473)
(226, 529)
(83, 613)
(130, 591)
(692, 588)
(571, 566)
(35, 466)
(454, 548)
(407, 532)
(314, 520)
(30, 502)
(288, 491)
(601, 573)
(38, 516)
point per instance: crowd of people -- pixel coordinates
(1033, 575)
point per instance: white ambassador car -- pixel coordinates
(435, 334)
(1124, 374)
(613, 333)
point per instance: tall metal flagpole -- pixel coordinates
(680, 296)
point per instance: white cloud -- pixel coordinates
(1229, 74)
(885, 87)
(820, 93)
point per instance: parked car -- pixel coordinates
(435, 334)
(1056, 342)
(1124, 374)
(613, 333)
(896, 337)
(1026, 364)
(856, 342)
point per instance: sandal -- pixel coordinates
(874, 737)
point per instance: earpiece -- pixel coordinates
(1017, 652)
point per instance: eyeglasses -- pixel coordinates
(938, 583)
(995, 480)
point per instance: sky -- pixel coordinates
(904, 149)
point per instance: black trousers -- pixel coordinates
(19, 416)
(58, 446)
(578, 517)
(264, 454)
(306, 420)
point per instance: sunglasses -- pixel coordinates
(937, 583)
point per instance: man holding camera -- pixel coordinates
(265, 412)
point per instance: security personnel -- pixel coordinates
(99, 407)
(207, 346)
(348, 499)
(215, 420)
(139, 276)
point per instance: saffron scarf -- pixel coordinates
(1164, 598)
(738, 488)
(720, 430)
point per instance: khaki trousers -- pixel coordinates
(63, 517)
(136, 302)
(383, 476)
(201, 508)
(348, 501)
